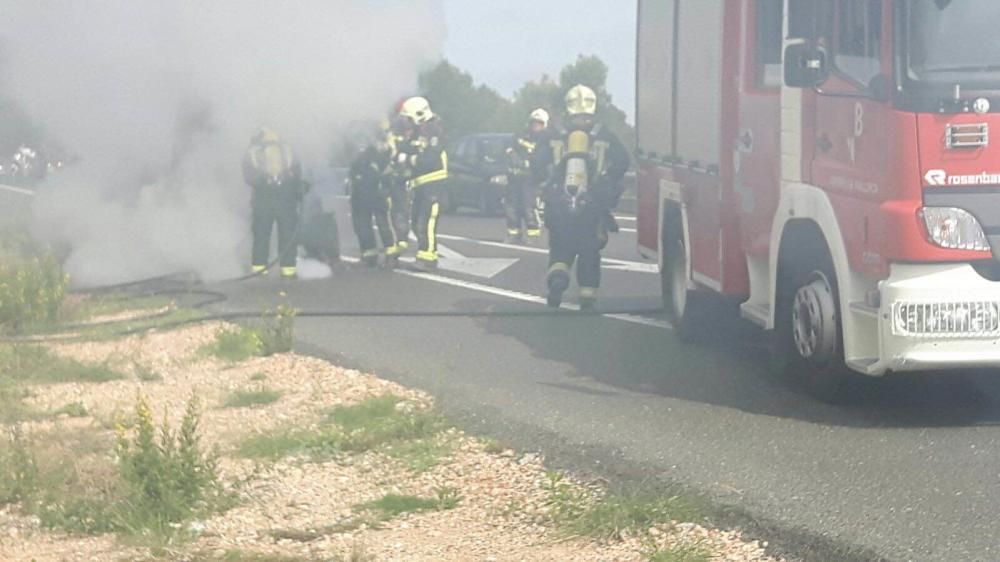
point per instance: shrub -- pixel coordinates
(31, 292)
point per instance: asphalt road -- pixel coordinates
(910, 471)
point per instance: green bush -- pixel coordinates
(168, 478)
(18, 469)
(31, 292)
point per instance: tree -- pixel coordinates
(464, 107)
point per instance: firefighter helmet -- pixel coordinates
(417, 109)
(581, 100)
(541, 116)
(265, 134)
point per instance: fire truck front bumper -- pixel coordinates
(937, 316)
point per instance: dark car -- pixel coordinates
(475, 162)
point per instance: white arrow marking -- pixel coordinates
(606, 263)
(18, 190)
(486, 268)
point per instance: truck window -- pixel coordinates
(768, 21)
(858, 40)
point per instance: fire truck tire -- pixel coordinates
(808, 347)
(684, 307)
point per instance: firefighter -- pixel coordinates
(583, 167)
(521, 198)
(371, 202)
(275, 174)
(426, 160)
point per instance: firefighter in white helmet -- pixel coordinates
(275, 174)
(583, 167)
(425, 157)
(522, 202)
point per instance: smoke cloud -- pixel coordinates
(159, 99)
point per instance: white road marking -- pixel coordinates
(18, 190)
(626, 218)
(517, 295)
(608, 263)
(631, 230)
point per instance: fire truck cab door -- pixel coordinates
(850, 136)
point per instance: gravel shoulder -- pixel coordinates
(295, 507)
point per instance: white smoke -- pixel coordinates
(160, 97)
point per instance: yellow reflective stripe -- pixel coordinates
(588, 292)
(258, 268)
(288, 271)
(432, 230)
(392, 251)
(392, 224)
(369, 253)
(438, 175)
(513, 231)
(430, 178)
(559, 266)
(534, 233)
(427, 256)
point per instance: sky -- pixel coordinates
(505, 44)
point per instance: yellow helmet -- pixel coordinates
(265, 134)
(581, 100)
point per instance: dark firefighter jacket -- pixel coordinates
(272, 165)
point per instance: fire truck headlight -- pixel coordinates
(955, 229)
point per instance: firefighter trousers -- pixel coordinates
(367, 213)
(426, 211)
(270, 206)
(578, 240)
(522, 207)
(400, 213)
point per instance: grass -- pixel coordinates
(73, 410)
(611, 517)
(682, 554)
(145, 374)
(250, 398)
(390, 506)
(110, 305)
(36, 365)
(258, 377)
(383, 422)
(420, 455)
(12, 407)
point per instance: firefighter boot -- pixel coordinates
(514, 237)
(557, 281)
(588, 299)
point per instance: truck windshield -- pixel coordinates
(953, 41)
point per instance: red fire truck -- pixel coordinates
(829, 164)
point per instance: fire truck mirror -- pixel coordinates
(805, 66)
(880, 88)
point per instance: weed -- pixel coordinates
(18, 469)
(73, 410)
(277, 332)
(393, 505)
(249, 398)
(145, 374)
(681, 554)
(12, 406)
(258, 377)
(235, 344)
(492, 446)
(419, 455)
(386, 422)
(31, 292)
(613, 516)
(36, 365)
(386, 419)
(89, 308)
(448, 498)
(321, 443)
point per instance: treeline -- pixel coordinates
(467, 108)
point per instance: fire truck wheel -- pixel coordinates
(809, 347)
(681, 304)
